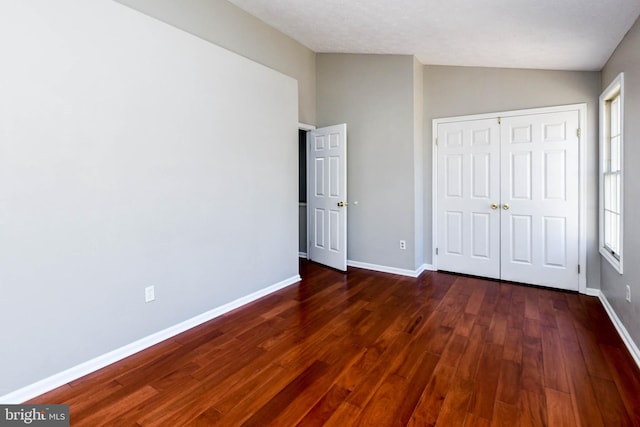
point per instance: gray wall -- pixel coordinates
(374, 95)
(127, 161)
(457, 91)
(626, 59)
(228, 26)
(418, 165)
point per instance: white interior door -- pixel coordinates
(540, 206)
(508, 198)
(468, 197)
(327, 195)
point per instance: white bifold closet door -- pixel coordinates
(508, 198)
(468, 187)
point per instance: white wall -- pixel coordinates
(131, 154)
(458, 91)
(228, 26)
(626, 59)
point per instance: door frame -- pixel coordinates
(305, 127)
(582, 163)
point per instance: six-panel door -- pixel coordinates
(468, 194)
(539, 177)
(327, 195)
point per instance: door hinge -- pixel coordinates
(578, 268)
(436, 251)
(436, 140)
(579, 132)
(499, 120)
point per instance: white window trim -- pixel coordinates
(617, 85)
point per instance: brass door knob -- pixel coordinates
(494, 206)
(342, 204)
(505, 207)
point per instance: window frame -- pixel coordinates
(614, 90)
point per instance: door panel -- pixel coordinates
(319, 180)
(540, 183)
(555, 250)
(327, 179)
(319, 235)
(453, 227)
(468, 184)
(480, 235)
(520, 239)
(454, 180)
(481, 175)
(520, 175)
(554, 173)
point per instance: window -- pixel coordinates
(611, 144)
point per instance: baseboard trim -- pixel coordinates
(71, 374)
(428, 267)
(391, 270)
(302, 255)
(592, 292)
(617, 323)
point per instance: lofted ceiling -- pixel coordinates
(539, 34)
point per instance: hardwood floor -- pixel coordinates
(368, 348)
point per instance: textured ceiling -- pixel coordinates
(544, 34)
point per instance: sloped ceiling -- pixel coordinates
(539, 34)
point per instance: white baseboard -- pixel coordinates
(622, 331)
(392, 270)
(302, 255)
(71, 374)
(428, 267)
(592, 292)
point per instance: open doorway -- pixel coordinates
(302, 192)
(323, 168)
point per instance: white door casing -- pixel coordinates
(537, 225)
(327, 196)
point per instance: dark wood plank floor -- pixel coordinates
(368, 348)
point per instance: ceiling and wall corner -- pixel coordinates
(542, 34)
(475, 43)
(228, 26)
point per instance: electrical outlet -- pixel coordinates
(628, 293)
(149, 293)
(403, 244)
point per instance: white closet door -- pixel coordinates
(508, 198)
(539, 194)
(468, 195)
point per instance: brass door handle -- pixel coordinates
(505, 207)
(342, 204)
(494, 206)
